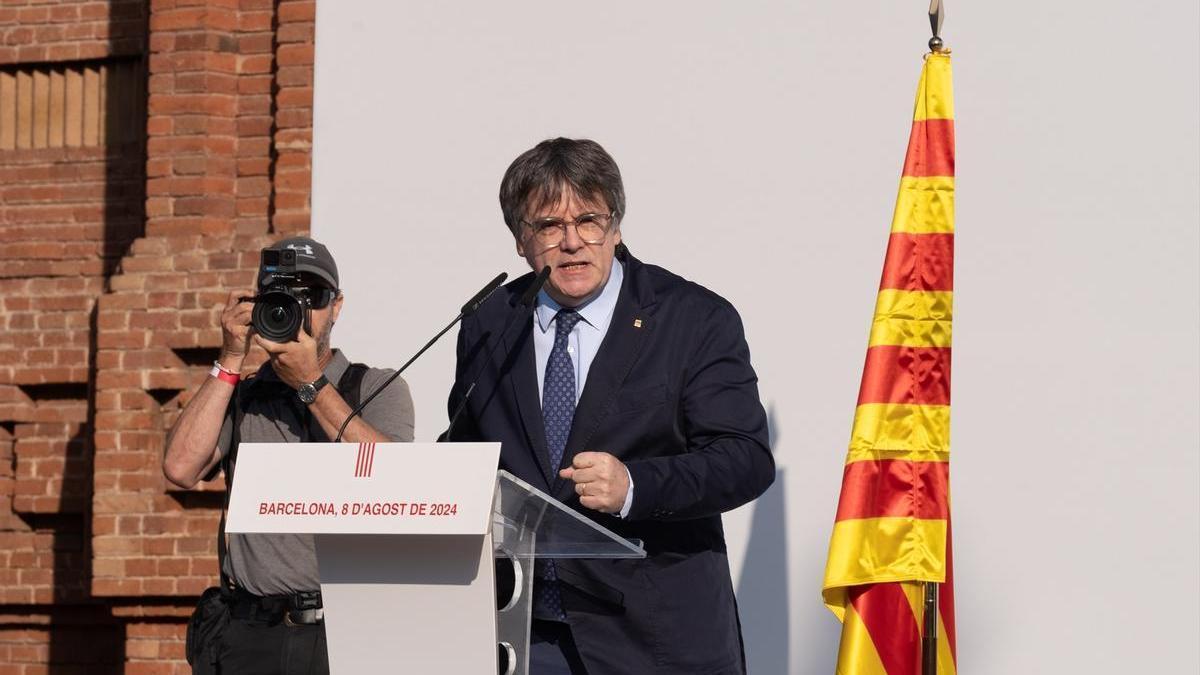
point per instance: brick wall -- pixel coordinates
(79, 645)
(114, 262)
(34, 31)
(67, 214)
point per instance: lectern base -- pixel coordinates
(389, 599)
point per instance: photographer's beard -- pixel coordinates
(324, 335)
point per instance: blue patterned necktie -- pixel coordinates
(558, 409)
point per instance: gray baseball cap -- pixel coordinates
(311, 257)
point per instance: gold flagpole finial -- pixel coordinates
(935, 23)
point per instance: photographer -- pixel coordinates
(267, 615)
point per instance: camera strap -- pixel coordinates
(350, 384)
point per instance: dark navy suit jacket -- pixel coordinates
(671, 393)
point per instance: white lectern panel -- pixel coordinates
(368, 488)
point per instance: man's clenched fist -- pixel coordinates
(601, 481)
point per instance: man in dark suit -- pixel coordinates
(630, 397)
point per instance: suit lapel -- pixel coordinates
(523, 379)
(627, 333)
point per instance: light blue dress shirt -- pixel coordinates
(584, 340)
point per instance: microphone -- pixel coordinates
(530, 293)
(473, 304)
(467, 310)
(525, 303)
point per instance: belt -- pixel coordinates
(304, 617)
(297, 609)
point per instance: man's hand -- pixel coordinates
(294, 362)
(601, 481)
(235, 330)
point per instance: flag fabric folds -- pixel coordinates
(891, 533)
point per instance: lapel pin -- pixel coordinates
(637, 323)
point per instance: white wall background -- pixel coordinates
(777, 130)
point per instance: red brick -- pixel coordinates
(294, 76)
(32, 15)
(204, 103)
(296, 96)
(297, 10)
(295, 55)
(256, 43)
(261, 63)
(178, 19)
(255, 84)
(93, 11)
(255, 21)
(294, 118)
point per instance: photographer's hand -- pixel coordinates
(295, 362)
(235, 330)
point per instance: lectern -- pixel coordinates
(425, 550)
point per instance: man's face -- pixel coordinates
(322, 324)
(578, 270)
(321, 319)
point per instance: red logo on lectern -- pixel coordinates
(366, 460)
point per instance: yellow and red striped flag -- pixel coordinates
(892, 529)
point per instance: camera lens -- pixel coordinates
(277, 316)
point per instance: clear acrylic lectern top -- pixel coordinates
(523, 514)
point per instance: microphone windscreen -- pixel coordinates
(530, 295)
(474, 303)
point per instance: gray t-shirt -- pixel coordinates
(282, 564)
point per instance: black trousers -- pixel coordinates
(552, 650)
(258, 647)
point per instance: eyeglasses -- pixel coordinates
(592, 228)
(318, 297)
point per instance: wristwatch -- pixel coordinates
(308, 391)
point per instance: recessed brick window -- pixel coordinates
(70, 105)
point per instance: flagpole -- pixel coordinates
(929, 619)
(929, 633)
(935, 24)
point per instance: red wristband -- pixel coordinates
(224, 375)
